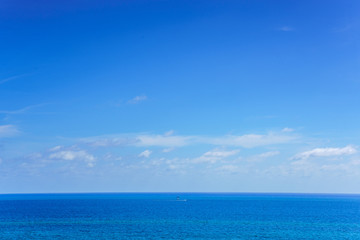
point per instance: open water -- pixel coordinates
(162, 216)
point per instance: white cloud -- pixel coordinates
(262, 156)
(22, 110)
(145, 153)
(169, 141)
(247, 141)
(91, 164)
(74, 155)
(110, 141)
(269, 154)
(230, 168)
(110, 156)
(8, 130)
(286, 129)
(306, 168)
(250, 140)
(137, 99)
(161, 140)
(56, 148)
(139, 140)
(219, 153)
(166, 150)
(169, 133)
(215, 155)
(326, 152)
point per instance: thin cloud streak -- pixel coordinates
(137, 99)
(152, 140)
(145, 154)
(286, 29)
(22, 110)
(250, 140)
(70, 155)
(326, 152)
(215, 155)
(8, 130)
(11, 78)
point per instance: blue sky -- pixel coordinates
(245, 96)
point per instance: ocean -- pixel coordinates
(179, 216)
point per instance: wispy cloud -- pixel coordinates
(286, 29)
(262, 156)
(145, 153)
(110, 141)
(110, 156)
(250, 140)
(230, 168)
(269, 154)
(166, 150)
(215, 155)
(70, 155)
(8, 130)
(326, 152)
(22, 110)
(303, 166)
(348, 166)
(169, 141)
(286, 129)
(11, 78)
(56, 148)
(169, 133)
(163, 140)
(137, 99)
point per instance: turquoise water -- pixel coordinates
(161, 216)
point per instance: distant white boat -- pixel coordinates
(180, 200)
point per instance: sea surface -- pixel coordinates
(179, 216)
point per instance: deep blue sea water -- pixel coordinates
(161, 216)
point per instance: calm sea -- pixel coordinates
(169, 216)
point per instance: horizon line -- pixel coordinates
(181, 192)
